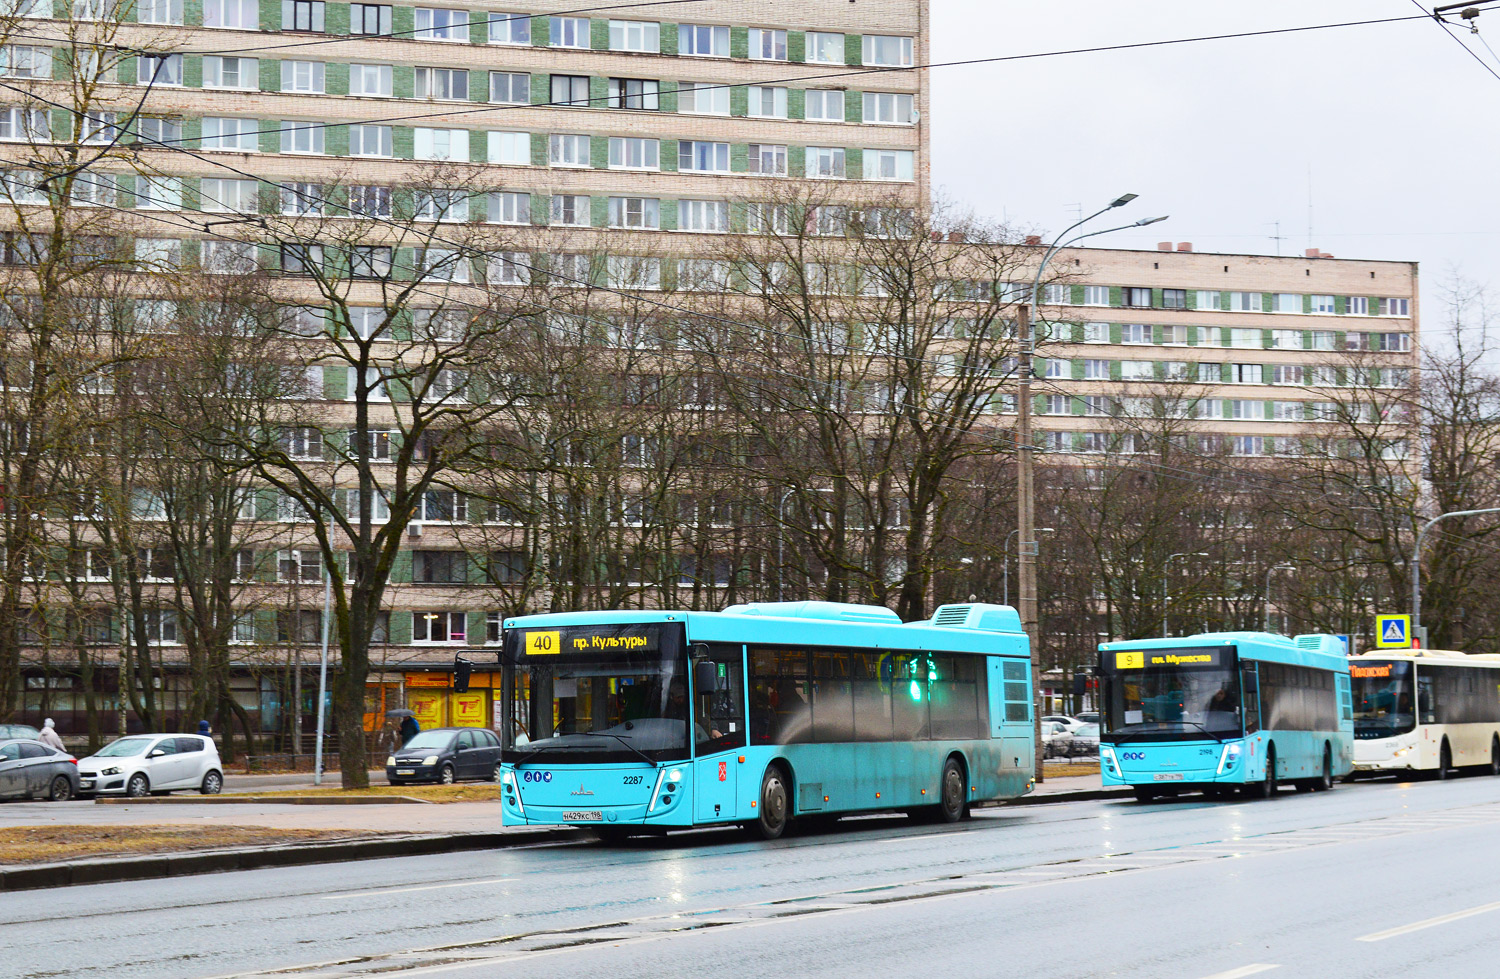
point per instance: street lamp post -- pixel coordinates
(1417, 630)
(1164, 579)
(1269, 571)
(781, 539)
(1025, 475)
(323, 661)
(1005, 568)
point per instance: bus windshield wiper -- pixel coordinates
(623, 740)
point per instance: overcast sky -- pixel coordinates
(1395, 124)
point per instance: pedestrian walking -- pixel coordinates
(409, 729)
(49, 736)
(204, 729)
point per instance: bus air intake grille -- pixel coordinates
(952, 615)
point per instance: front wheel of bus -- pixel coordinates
(1445, 761)
(1266, 787)
(771, 822)
(951, 809)
(1495, 756)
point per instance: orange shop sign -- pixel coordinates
(429, 680)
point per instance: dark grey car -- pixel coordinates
(31, 770)
(446, 754)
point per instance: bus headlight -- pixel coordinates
(508, 778)
(1229, 758)
(1107, 754)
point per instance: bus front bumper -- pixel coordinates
(1173, 766)
(1386, 754)
(660, 800)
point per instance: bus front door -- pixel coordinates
(719, 729)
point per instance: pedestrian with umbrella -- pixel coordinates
(409, 725)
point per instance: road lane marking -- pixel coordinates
(410, 890)
(1443, 919)
(1242, 971)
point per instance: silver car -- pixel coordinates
(153, 764)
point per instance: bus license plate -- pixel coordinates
(1168, 776)
(582, 816)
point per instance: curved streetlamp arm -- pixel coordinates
(1058, 244)
(1416, 564)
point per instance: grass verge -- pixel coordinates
(469, 792)
(54, 844)
(1066, 769)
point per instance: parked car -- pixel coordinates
(9, 731)
(32, 770)
(1056, 739)
(153, 764)
(446, 754)
(1068, 722)
(1086, 740)
(1087, 717)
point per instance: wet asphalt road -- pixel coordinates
(1376, 879)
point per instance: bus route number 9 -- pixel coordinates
(543, 643)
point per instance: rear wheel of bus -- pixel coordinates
(773, 805)
(951, 791)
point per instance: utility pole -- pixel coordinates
(1026, 522)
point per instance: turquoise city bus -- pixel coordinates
(1225, 711)
(636, 721)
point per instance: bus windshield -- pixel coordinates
(1171, 695)
(595, 694)
(1383, 698)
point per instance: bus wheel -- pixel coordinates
(772, 819)
(1144, 793)
(1266, 787)
(1495, 757)
(1445, 761)
(1325, 781)
(951, 789)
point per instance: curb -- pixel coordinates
(1073, 795)
(285, 800)
(218, 861)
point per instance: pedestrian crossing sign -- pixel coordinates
(1392, 631)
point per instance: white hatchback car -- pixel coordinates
(147, 764)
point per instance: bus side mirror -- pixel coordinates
(461, 670)
(705, 675)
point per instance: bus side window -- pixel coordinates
(1425, 704)
(1251, 698)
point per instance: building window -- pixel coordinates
(702, 157)
(887, 108)
(703, 41)
(370, 80)
(886, 50)
(1287, 302)
(510, 87)
(634, 212)
(1323, 304)
(1058, 369)
(767, 160)
(438, 204)
(825, 162)
(509, 269)
(440, 144)
(1287, 411)
(1321, 340)
(570, 90)
(767, 102)
(439, 567)
(824, 105)
(369, 18)
(25, 61)
(1245, 373)
(1137, 297)
(509, 207)
(1137, 370)
(703, 98)
(513, 149)
(510, 28)
(298, 259)
(824, 48)
(370, 141)
(1286, 374)
(230, 134)
(763, 218)
(1135, 333)
(1395, 307)
(241, 15)
(161, 69)
(1246, 302)
(767, 45)
(1096, 333)
(634, 35)
(1207, 299)
(370, 262)
(160, 193)
(1096, 295)
(1286, 339)
(1096, 370)
(302, 137)
(302, 15)
(301, 198)
(149, 11)
(633, 93)
(570, 210)
(238, 196)
(703, 216)
(889, 165)
(633, 153)
(450, 84)
(299, 565)
(239, 73)
(438, 627)
(1357, 305)
(632, 272)
(443, 506)
(568, 150)
(1246, 338)
(439, 24)
(569, 32)
(1174, 299)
